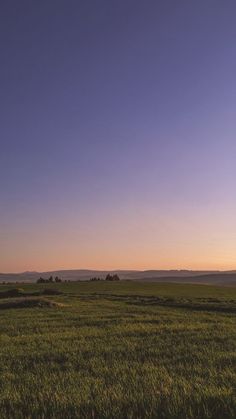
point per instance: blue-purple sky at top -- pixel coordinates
(109, 109)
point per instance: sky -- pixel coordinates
(117, 134)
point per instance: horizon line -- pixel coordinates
(118, 270)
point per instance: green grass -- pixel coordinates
(120, 350)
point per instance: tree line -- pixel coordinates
(50, 280)
(55, 280)
(109, 277)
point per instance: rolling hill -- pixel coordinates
(186, 276)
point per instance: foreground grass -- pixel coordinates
(122, 350)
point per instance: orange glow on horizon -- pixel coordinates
(142, 240)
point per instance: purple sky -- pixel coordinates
(117, 134)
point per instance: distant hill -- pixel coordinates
(219, 278)
(212, 277)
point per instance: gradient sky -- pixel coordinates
(117, 134)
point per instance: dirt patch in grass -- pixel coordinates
(19, 293)
(30, 303)
(51, 291)
(13, 292)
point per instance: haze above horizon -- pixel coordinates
(117, 135)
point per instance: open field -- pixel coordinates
(118, 350)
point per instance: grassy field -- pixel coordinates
(118, 350)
